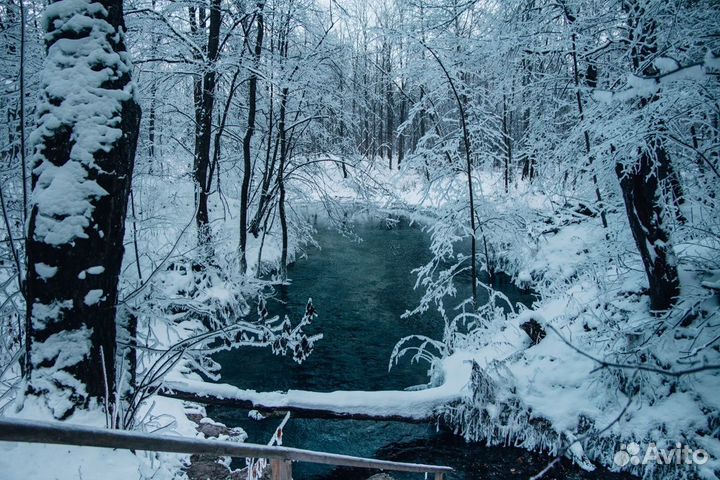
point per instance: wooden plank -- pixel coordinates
(267, 410)
(67, 434)
(281, 469)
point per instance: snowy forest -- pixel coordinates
(475, 234)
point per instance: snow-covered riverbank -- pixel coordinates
(606, 374)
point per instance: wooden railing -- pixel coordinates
(281, 458)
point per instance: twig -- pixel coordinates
(161, 264)
(605, 363)
(583, 438)
(15, 255)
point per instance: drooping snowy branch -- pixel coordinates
(669, 71)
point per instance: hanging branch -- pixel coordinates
(468, 161)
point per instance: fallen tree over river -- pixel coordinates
(450, 382)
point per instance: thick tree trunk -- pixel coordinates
(640, 187)
(82, 168)
(641, 181)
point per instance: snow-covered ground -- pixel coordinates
(40, 461)
(608, 373)
(493, 385)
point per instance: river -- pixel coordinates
(360, 288)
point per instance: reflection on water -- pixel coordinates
(360, 289)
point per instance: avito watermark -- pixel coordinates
(680, 455)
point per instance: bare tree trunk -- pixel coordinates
(401, 139)
(197, 86)
(204, 131)
(508, 143)
(640, 183)
(389, 129)
(151, 130)
(11, 150)
(468, 172)
(529, 162)
(281, 184)
(153, 102)
(23, 161)
(247, 139)
(74, 255)
(269, 168)
(342, 133)
(591, 78)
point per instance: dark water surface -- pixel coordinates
(360, 289)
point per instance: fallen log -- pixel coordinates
(277, 411)
(451, 380)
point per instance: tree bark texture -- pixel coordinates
(83, 155)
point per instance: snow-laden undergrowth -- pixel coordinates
(184, 309)
(608, 372)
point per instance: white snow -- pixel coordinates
(255, 415)
(45, 271)
(73, 98)
(665, 64)
(62, 196)
(60, 350)
(93, 297)
(96, 270)
(596, 304)
(419, 404)
(24, 461)
(42, 314)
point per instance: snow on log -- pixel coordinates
(416, 405)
